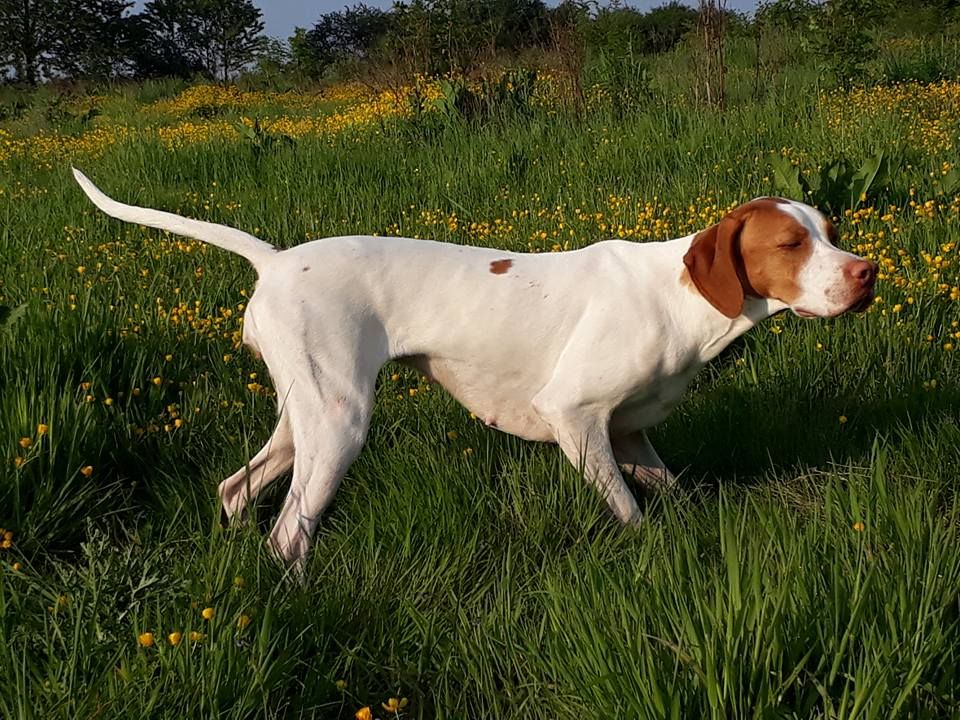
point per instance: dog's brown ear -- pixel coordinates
(713, 261)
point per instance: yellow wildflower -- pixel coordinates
(145, 639)
(394, 705)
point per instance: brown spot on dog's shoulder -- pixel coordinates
(305, 268)
(499, 267)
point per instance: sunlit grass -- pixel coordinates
(805, 568)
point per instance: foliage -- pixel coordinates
(837, 186)
(842, 36)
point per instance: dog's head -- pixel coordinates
(783, 251)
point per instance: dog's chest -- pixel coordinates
(650, 403)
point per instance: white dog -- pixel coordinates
(586, 348)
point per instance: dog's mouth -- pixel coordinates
(863, 303)
(858, 306)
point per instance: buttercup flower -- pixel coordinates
(175, 637)
(145, 639)
(394, 705)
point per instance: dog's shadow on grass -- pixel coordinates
(743, 435)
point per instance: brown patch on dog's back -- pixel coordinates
(499, 267)
(305, 268)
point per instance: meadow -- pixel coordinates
(806, 567)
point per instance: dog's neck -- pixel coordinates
(714, 330)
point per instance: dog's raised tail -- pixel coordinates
(255, 250)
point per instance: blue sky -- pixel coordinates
(281, 16)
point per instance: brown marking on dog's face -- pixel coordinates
(774, 247)
(499, 267)
(831, 231)
(305, 268)
(756, 250)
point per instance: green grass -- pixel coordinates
(475, 574)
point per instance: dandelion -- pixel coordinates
(239, 582)
(364, 713)
(16, 567)
(25, 442)
(207, 613)
(341, 685)
(196, 636)
(18, 462)
(859, 527)
(843, 419)
(394, 705)
(42, 429)
(86, 470)
(158, 381)
(451, 435)
(175, 637)
(145, 639)
(243, 621)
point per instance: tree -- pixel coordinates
(166, 48)
(91, 38)
(27, 33)
(217, 37)
(223, 35)
(666, 25)
(352, 32)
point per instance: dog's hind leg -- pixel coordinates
(637, 458)
(273, 460)
(328, 431)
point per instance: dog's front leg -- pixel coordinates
(637, 458)
(585, 440)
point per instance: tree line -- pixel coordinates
(43, 40)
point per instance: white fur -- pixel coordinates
(586, 348)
